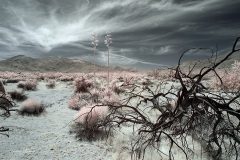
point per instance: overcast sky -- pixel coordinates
(146, 33)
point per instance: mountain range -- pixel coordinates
(51, 64)
(60, 64)
(209, 61)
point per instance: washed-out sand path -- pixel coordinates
(47, 136)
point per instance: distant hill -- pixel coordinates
(50, 64)
(225, 65)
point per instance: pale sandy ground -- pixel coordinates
(47, 136)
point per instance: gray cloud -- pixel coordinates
(144, 32)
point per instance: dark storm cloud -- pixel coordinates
(144, 32)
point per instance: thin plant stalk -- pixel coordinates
(108, 41)
(94, 62)
(95, 43)
(108, 65)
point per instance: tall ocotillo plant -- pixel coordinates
(95, 43)
(108, 41)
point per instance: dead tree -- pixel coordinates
(211, 118)
(2, 89)
(5, 107)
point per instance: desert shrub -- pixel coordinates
(89, 122)
(5, 104)
(95, 96)
(77, 101)
(18, 95)
(5, 108)
(66, 78)
(28, 85)
(41, 77)
(21, 84)
(228, 80)
(32, 107)
(107, 93)
(112, 99)
(116, 86)
(154, 73)
(161, 74)
(82, 85)
(147, 82)
(236, 66)
(118, 90)
(51, 84)
(89, 116)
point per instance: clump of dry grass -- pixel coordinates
(29, 85)
(32, 107)
(51, 84)
(89, 116)
(82, 85)
(18, 95)
(77, 101)
(88, 121)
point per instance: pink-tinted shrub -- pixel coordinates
(89, 116)
(28, 85)
(32, 107)
(76, 102)
(112, 99)
(82, 85)
(236, 66)
(161, 74)
(66, 78)
(95, 96)
(107, 93)
(230, 80)
(51, 84)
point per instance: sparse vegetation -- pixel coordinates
(51, 84)
(77, 101)
(182, 110)
(167, 110)
(88, 122)
(30, 85)
(82, 85)
(228, 81)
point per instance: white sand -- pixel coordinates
(47, 136)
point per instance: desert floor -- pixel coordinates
(47, 136)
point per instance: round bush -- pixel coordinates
(32, 107)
